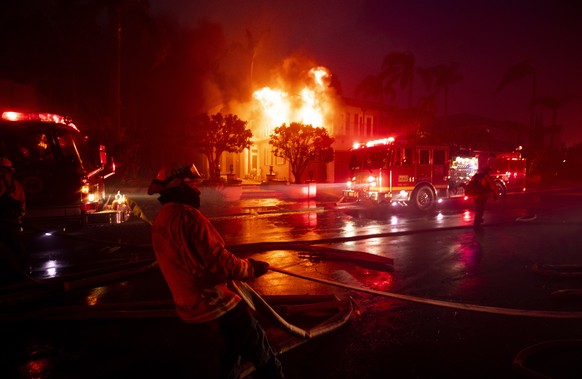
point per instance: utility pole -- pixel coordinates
(117, 71)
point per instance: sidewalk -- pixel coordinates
(254, 198)
(250, 198)
(258, 199)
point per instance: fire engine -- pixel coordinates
(386, 171)
(61, 176)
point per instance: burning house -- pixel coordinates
(299, 93)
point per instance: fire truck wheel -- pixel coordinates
(501, 190)
(423, 198)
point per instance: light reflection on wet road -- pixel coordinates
(397, 233)
(492, 266)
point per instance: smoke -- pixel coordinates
(293, 73)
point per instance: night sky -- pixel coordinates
(483, 38)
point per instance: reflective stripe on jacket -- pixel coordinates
(195, 263)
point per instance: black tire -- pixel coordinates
(501, 190)
(423, 198)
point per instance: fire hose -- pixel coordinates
(422, 300)
(439, 303)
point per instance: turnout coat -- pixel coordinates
(197, 266)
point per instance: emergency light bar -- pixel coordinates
(42, 117)
(383, 141)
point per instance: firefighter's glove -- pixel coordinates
(259, 267)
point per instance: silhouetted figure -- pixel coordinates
(13, 255)
(484, 188)
(197, 267)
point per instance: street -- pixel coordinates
(473, 298)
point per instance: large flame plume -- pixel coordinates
(304, 97)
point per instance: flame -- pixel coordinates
(275, 105)
(319, 73)
(311, 105)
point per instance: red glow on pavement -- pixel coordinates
(378, 280)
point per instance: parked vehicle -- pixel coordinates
(386, 171)
(508, 169)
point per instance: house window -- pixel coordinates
(369, 130)
(346, 123)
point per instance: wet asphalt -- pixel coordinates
(508, 294)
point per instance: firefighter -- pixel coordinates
(14, 265)
(197, 267)
(487, 189)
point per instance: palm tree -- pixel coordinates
(140, 47)
(554, 104)
(253, 44)
(370, 86)
(398, 67)
(440, 77)
(519, 72)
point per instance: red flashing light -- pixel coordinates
(11, 116)
(42, 117)
(383, 141)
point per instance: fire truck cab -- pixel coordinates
(385, 171)
(61, 177)
(507, 168)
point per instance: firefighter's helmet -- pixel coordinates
(170, 176)
(6, 166)
(5, 162)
